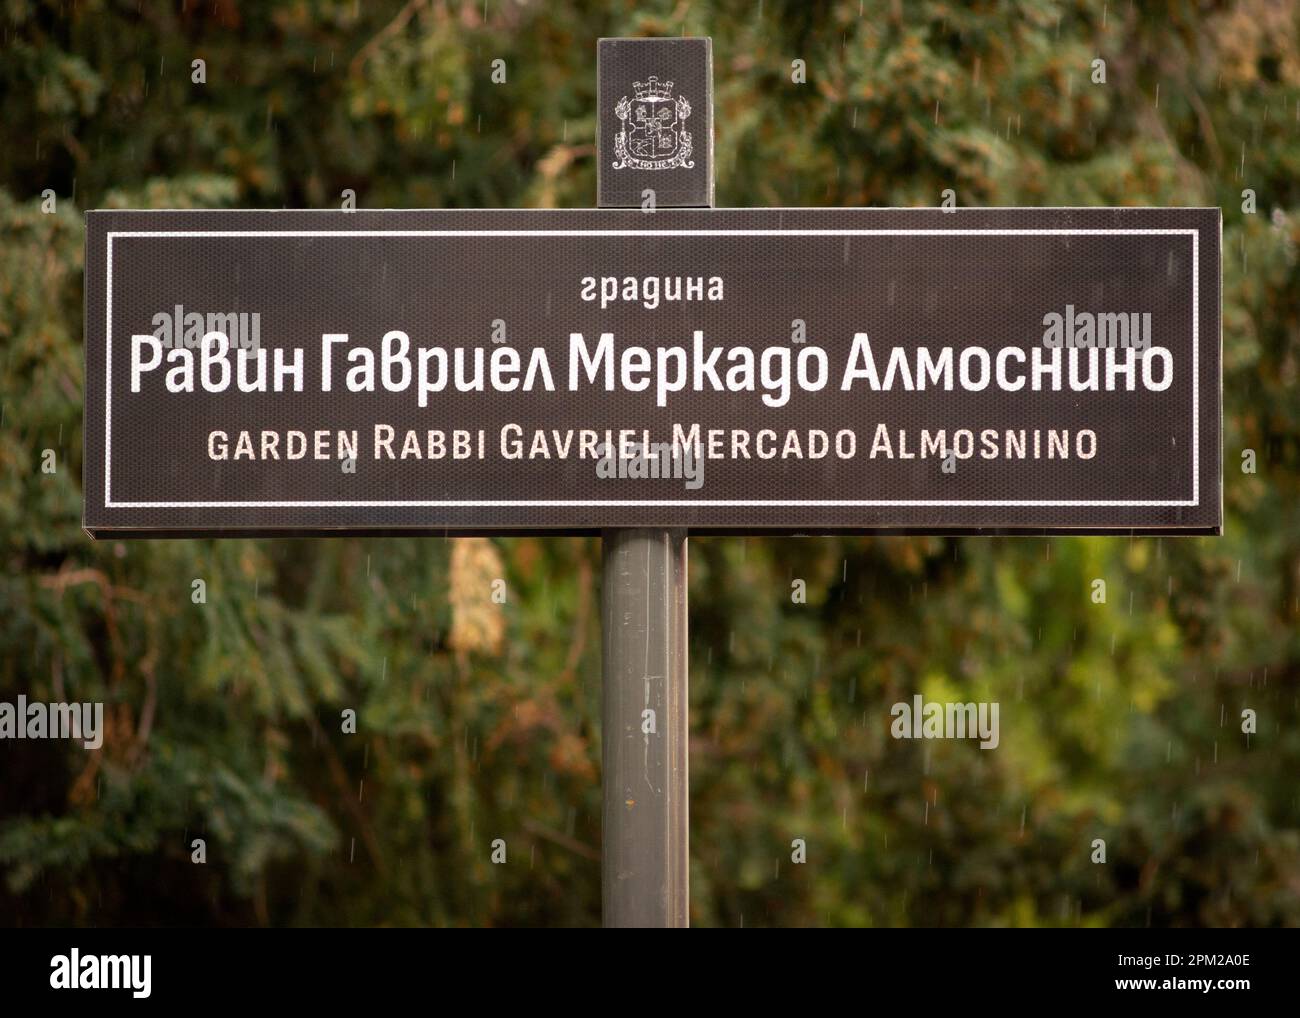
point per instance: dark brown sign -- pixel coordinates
(723, 370)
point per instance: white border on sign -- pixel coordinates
(581, 503)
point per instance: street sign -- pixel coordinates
(785, 370)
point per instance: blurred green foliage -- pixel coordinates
(1119, 721)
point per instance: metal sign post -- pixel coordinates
(662, 85)
(644, 729)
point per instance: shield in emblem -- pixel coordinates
(652, 129)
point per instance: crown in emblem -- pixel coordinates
(653, 88)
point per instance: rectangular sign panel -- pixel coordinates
(725, 370)
(656, 103)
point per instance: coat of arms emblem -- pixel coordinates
(653, 135)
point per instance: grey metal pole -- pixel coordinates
(645, 729)
(644, 717)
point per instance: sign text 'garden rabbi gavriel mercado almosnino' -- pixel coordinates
(721, 370)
